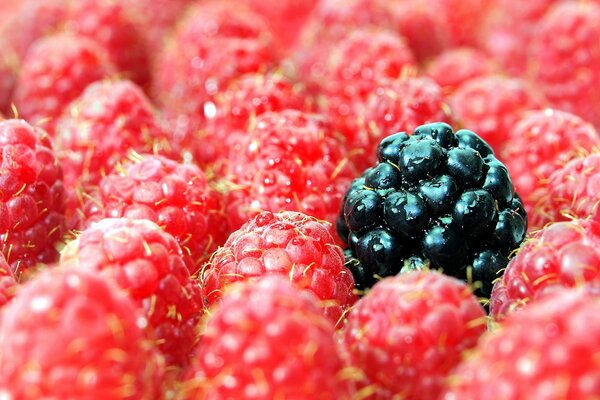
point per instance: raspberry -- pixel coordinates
(267, 340)
(9, 68)
(547, 351)
(436, 198)
(562, 255)
(32, 217)
(69, 334)
(149, 264)
(491, 105)
(287, 161)
(565, 62)
(461, 20)
(409, 331)
(175, 196)
(452, 68)
(55, 72)
(291, 244)
(541, 143)
(8, 283)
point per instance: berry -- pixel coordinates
(173, 195)
(562, 255)
(9, 67)
(542, 142)
(32, 204)
(461, 20)
(565, 60)
(267, 340)
(55, 72)
(291, 244)
(409, 331)
(491, 105)
(151, 267)
(8, 283)
(436, 198)
(287, 161)
(69, 334)
(546, 351)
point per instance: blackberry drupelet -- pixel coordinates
(436, 199)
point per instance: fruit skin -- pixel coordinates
(272, 330)
(563, 254)
(291, 244)
(287, 161)
(69, 334)
(8, 284)
(72, 61)
(491, 105)
(435, 199)
(409, 331)
(32, 204)
(546, 351)
(175, 196)
(9, 68)
(541, 143)
(150, 266)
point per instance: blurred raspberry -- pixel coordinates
(9, 69)
(461, 20)
(8, 283)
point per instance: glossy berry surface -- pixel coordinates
(435, 199)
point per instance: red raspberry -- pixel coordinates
(69, 334)
(8, 283)
(453, 67)
(55, 72)
(290, 244)
(32, 204)
(267, 340)
(564, 254)
(547, 351)
(541, 143)
(490, 106)
(149, 264)
(287, 161)
(175, 196)
(461, 20)
(9, 69)
(566, 58)
(408, 332)
(107, 22)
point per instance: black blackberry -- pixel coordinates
(436, 199)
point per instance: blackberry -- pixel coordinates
(435, 199)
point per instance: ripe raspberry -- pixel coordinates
(562, 255)
(9, 68)
(32, 204)
(291, 244)
(461, 20)
(287, 161)
(267, 340)
(55, 72)
(547, 351)
(542, 142)
(173, 195)
(149, 264)
(453, 67)
(409, 331)
(491, 105)
(8, 283)
(566, 58)
(69, 334)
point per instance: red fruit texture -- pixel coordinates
(108, 22)
(69, 334)
(564, 254)
(491, 105)
(565, 61)
(409, 331)
(150, 266)
(267, 340)
(291, 244)
(546, 351)
(397, 106)
(287, 161)
(461, 20)
(454, 67)
(9, 68)
(32, 219)
(214, 44)
(8, 283)
(572, 191)
(173, 195)
(234, 108)
(540, 143)
(56, 70)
